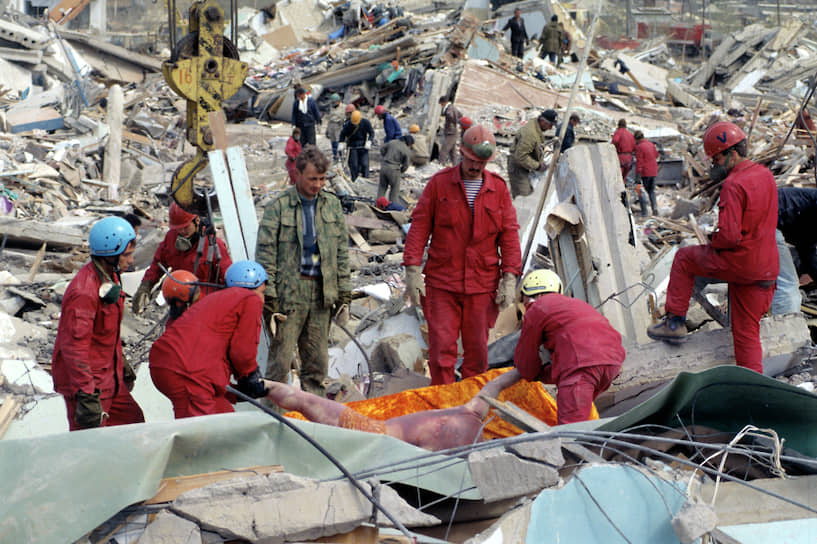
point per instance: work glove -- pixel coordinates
(341, 147)
(506, 292)
(89, 412)
(368, 144)
(415, 285)
(253, 385)
(142, 297)
(128, 374)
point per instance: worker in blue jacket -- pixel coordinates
(390, 124)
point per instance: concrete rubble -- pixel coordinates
(89, 127)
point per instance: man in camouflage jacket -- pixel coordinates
(302, 244)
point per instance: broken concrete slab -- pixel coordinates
(545, 450)
(501, 475)
(168, 528)
(398, 351)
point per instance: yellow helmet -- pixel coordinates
(541, 281)
(356, 117)
(414, 129)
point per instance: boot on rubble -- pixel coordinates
(671, 329)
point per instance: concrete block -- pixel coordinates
(400, 509)
(24, 376)
(693, 521)
(401, 350)
(502, 475)
(684, 207)
(544, 450)
(168, 528)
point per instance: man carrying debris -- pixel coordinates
(191, 363)
(448, 154)
(88, 367)
(473, 261)
(419, 150)
(302, 244)
(519, 36)
(334, 123)
(551, 41)
(742, 250)
(358, 134)
(396, 156)
(390, 124)
(581, 368)
(526, 153)
(646, 168)
(624, 142)
(570, 135)
(305, 115)
(187, 246)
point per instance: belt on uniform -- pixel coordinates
(766, 283)
(313, 278)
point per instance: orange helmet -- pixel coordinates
(179, 218)
(478, 143)
(350, 108)
(466, 122)
(356, 117)
(180, 285)
(721, 136)
(414, 129)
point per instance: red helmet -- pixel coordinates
(382, 202)
(180, 285)
(466, 122)
(350, 108)
(478, 143)
(721, 136)
(179, 218)
(379, 110)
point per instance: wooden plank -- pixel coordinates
(171, 488)
(35, 232)
(368, 222)
(35, 266)
(218, 127)
(358, 239)
(7, 413)
(242, 192)
(138, 138)
(235, 200)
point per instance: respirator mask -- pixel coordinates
(186, 244)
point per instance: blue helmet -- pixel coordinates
(247, 274)
(110, 236)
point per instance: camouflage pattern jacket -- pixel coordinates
(280, 243)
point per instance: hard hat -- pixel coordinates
(549, 116)
(247, 274)
(334, 97)
(180, 285)
(414, 129)
(478, 143)
(466, 122)
(721, 136)
(379, 110)
(382, 202)
(541, 281)
(356, 117)
(350, 108)
(180, 218)
(110, 236)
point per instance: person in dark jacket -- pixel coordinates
(570, 136)
(396, 156)
(305, 115)
(796, 225)
(551, 40)
(519, 36)
(390, 124)
(357, 133)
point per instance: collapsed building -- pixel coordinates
(688, 446)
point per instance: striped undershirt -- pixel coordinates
(472, 187)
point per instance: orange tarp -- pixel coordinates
(529, 396)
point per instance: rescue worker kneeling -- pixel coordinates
(191, 363)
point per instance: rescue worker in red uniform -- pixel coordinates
(474, 257)
(187, 246)
(742, 251)
(646, 168)
(217, 337)
(624, 142)
(581, 368)
(87, 363)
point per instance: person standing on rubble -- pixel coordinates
(292, 150)
(396, 155)
(519, 36)
(448, 154)
(358, 134)
(581, 369)
(624, 142)
(570, 135)
(216, 338)
(551, 41)
(334, 123)
(188, 245)
(796, 225)
(390, 124)
(646, 168)
(742, 251)
(474, 257)
(305, 115)
(302, 245)
(527, 154)
(88, 367)
(419, 150)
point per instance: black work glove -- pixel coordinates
(252, 385)
(128, 374)
(89, 412)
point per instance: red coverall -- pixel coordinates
(585, 352)
(170, 257)
(743, 253)
(192, 361)
(646, 159)
(88, 351)
(467, 254)
(292, 150)
(624, 141)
